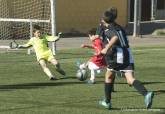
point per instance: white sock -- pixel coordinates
(47, 72)
(92, 75)
(82, 66)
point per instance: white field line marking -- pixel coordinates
(153, 49)
(138, 110)
(136, 50)
(5, 47)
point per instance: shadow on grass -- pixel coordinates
(157, 92)
(145, 83)
(156, 82)
(36, 85)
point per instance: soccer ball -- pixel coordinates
(82, 74)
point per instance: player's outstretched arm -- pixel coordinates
(24, 46)
(27, 45)
(86, 46)
(14, 45)
(109, 45)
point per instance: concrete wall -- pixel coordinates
(82, 15)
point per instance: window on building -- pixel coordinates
(160, 4)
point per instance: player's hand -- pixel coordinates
(59, 34)
(83, 46)
(103, 51)
(98, 53)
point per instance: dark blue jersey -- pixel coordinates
(119, 55)
(100, 32)
(116, 30)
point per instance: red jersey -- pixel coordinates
(99, 60)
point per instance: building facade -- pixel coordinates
(150, 9)
(82, 15)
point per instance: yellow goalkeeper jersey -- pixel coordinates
(40, 46)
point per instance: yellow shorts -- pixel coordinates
(46, 56)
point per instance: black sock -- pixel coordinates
(57, 66)
(139, 87)
(108, 91)
(113, 81)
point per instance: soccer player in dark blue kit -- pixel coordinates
(100, 32)
(119, 58)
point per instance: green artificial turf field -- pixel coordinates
(25, 89)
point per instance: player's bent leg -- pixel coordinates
(135, 83)
(113, 81)
(46, 70)
(60, 70)
(93, 68)
(109, 75)
(53, 61)
(148, 96)
(57, 66)
(92, 78)
(129, 77)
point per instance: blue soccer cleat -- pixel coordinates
(148, 99)
(105, 105)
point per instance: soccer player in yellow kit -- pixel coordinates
(43, 52)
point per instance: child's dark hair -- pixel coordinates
(36, 27)
(110, 15)
(114, 11)
(92, 31)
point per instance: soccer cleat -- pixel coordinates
(105, 105)
(53, 78)
(148, 99)
(91, 82)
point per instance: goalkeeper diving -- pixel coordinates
(43, 52)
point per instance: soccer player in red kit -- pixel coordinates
(97, 62)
